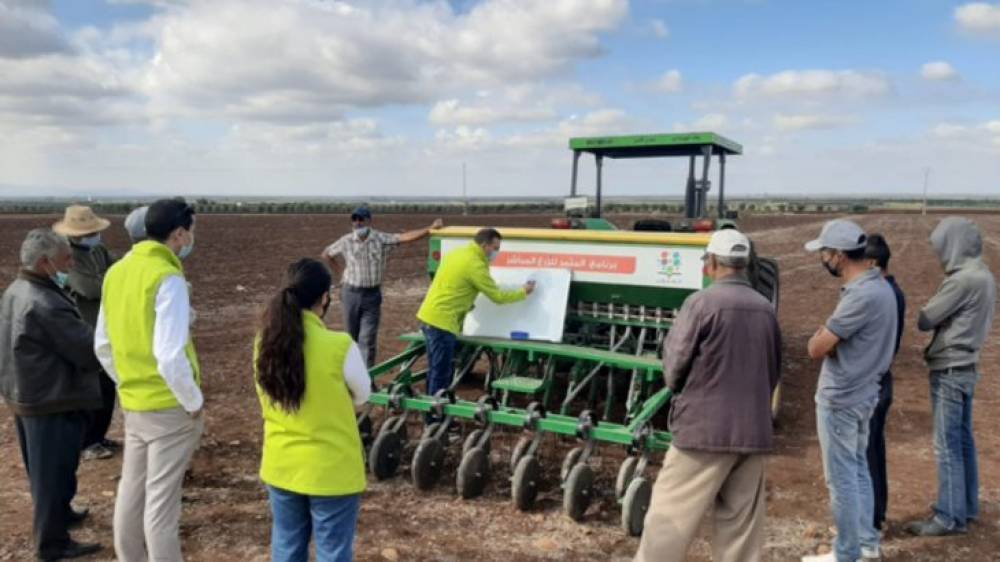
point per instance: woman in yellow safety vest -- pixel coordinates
(308, 380)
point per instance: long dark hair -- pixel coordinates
(281, 363)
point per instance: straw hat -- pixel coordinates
(80, 221)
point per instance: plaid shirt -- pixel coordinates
(365, 259)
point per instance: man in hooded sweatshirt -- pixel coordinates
(961, 315)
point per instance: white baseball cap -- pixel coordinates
(729, 243)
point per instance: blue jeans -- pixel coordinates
(843, 439)
(440, 357)
(297, 517)
(955, 447)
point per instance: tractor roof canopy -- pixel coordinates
(641, 146)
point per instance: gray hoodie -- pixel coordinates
(961, 313)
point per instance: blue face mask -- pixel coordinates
(90, 241)
(186, 250)
(492, 255)
(61, 279)
(362, 231)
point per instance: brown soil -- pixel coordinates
(238, 262)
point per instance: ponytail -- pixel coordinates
(281, 364)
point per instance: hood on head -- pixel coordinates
(956, 240)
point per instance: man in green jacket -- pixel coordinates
(464, 273)
(91, 260)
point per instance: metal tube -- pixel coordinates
(689, 192)
(703, 189)
(576, 164)
(722, 185)
(600, 165)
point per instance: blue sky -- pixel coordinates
(391, 97)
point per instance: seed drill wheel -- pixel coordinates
(432, 428)
(390, 422)
(625, 473)
(366, 430)
(472, 440)
(524, 483)
(578, 490)
(569, 461)
(473, 472)
(520, 449)
(428, 460)
(385, 454)
(635, 504)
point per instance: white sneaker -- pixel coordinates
(828, 557)
(870, 554)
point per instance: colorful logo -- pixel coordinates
(670, 265)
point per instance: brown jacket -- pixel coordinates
(723, 357)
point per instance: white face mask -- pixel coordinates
(362, 231)
(187, 249)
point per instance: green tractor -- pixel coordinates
(600, 385)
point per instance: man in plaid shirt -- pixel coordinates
(363, 252)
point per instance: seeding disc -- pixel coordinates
(473, 473)
(578, 490)
(635, 504)
(428, 461)
(569, 461)
(524, 483)
(625, 473)
(520, 449)
(472, 440)
(389, 422)
(385, 454)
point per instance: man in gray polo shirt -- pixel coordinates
(856, 345)
(364, 251)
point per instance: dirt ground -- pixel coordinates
(238, 262)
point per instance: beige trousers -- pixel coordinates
(158, 450)
(690, 483)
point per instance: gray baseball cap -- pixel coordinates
(839, 234)
(135, 224)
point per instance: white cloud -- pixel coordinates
(360, 54)
(939, 71)
(812, 85)
(26, 30)
(801, 122)
(992, 126)
(453, 112)
(659, 29)
(710, 122)
(669, 83)
(946, 130)
(979, 17)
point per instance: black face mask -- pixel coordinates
(832, 270)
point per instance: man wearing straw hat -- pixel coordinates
(91, 260)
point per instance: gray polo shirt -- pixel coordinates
(865, 322)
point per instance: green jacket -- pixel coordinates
(464, 273)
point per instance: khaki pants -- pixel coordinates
(158, 449)
(690, 483)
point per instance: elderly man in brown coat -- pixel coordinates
(722, 360)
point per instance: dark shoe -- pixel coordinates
(111, 444)
(96, 451)
(76, 518)
(932, 528)
(72, 549)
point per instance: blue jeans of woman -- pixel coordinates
(298, 517)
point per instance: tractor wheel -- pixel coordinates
(524, 483)
(578, 490)
(635, 504)
(428, 461)
(385, 455)
(473, 472)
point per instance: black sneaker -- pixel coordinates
(72, 549)
(111, 444)
(96, 452)
(76, 518)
